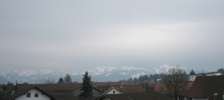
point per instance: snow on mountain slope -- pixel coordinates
(102, 73)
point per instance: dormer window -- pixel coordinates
(28, 95)
(36, 95)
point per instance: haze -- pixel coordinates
(79, 35)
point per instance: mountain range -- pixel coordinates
(97, 74)
(100, 74)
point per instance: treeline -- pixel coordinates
(157, 77)
(67, 79)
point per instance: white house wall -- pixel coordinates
(32, 96)
(113, 91)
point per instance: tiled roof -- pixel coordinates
(205, 86)
(36, 88)
(138, 96)
(123, 88)
(56, 91)
(66, 92)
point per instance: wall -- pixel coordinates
(32, 96)
(113, 91)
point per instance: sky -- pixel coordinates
(79, 35)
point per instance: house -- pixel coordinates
(157, 88)
(113, 90)
(34, 93)
(118, 89)
(72, 91)
(204, 88)
(54, 91)
(136, 96)
(193, 77)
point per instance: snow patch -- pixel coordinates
(165, 68)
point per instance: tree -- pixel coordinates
(67, 78)
(146, 87)
(60, 81)
(174, 81)
(49, 81)
(6, 91)
(192, 72)
(1, 92)
(221, 70)
(87, 88)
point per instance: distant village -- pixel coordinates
(174, 85)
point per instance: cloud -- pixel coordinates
(67, 35)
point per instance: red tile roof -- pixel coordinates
(138, 96)
(205, 86)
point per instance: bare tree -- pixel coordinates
(174, 81)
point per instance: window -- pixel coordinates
(113, 92)
(28, 95)
(36, 95)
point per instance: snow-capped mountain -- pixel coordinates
(104, 73)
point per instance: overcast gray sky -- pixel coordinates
(73, 35)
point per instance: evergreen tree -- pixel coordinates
(60, 81)
(87, 88)
(192, 72)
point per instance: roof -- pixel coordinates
(123, 88)
(56, 91)
(204, 86)
(36, 88)
(209, 74)
(138, 96)
(49, 87)
(66, 92)
(110, 89)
